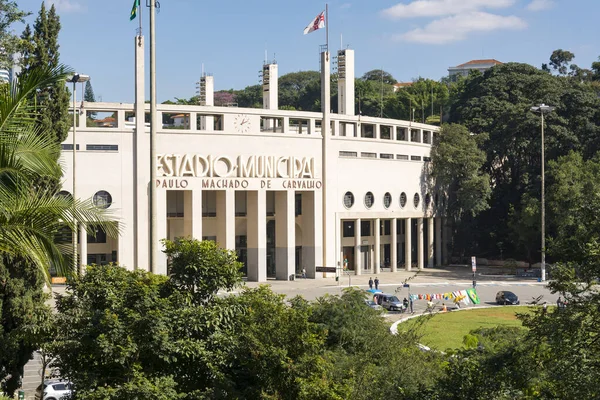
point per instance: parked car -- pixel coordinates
(53, 390)
(389, 301)
(505, 297)
(372, 304)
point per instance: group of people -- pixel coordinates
(560, 303)
(376, 282)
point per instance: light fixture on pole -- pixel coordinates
(543, 109)
(74, 80)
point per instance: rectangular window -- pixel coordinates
(298, 203)
(385, 131)
(415, 158)
(367, 131)
(209, 122)
(348, 228)
(365, 228)
(175, 120)
(427, 159)
(68, 147)
(241, 242)
(175, 203)
(348, 154)
(368, 155)
(101, 119)
(386, 225)
(270, 204)
(401, 134)
(240, 203)
(98, 237)
(415, 135)
(271, 124)
(427, 137)
(102, 147)
(386, 155)
(401, 157)
(209, 204)
(299, 126)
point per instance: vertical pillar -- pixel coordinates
(394, 244)
(311, 229)
(430, 242)
(420, 244)
(445, 235)
(188, 213)
(257, 236)
(407, 244)
(357, 244)
(226, 219)
(377, 227)
(196, 214)
(161, 230)
(438, 241)
(285, 235)
(83, 247)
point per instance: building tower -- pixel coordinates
(345, 61)
(206, 92)
(270, 85)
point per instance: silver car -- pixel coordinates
(389, 301)
(53, 390)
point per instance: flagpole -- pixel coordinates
(327, 25)
(140, 12)
(153, 128)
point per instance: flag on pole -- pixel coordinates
(136, 4)
(317, 23)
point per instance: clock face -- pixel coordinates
(242, 123)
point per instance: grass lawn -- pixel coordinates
(446, 330)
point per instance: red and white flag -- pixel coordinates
(317, 23)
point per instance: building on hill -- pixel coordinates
(265, 183)
(401, 85)
(479, 65)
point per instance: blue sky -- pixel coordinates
(406, 38)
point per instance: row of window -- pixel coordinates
(101, 199)
(387, 200)
(92, 147)
(386, 156)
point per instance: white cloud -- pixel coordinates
(458, 27)
(539, 5)
(440, 8)
(65, 5)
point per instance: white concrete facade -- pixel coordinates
(265, 183)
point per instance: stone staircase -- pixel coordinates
(32, 376)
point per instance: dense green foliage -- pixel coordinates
(39, 49)
(9, 14)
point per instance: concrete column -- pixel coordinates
(438, 241)
(197, 214)
(161, 227)
(420, 244)
(445, 236)
(377, 268)
(407, 244)
(83, 246)
(257, 236)
(285, 235)
(394, 244)
(357, 244)
(226, 219)
(188, 213)
(430, 242)
(311, 229)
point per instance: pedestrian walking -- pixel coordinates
(370, 283)
(410, 299)
(303, 273)
(559, 302)
(376, 283)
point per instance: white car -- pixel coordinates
(53, 390)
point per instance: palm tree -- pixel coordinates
(31, 215)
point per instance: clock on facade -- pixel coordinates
(241, 123)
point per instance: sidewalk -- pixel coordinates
(442, 275)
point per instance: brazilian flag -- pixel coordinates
(136, 4)
(473, 296)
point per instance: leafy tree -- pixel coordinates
(379, 75)
(40, 50)
(560, 60)
(573, 204)
(9, 14)
(457, 160)
(251, 96)
(301, 90)
(24, 315)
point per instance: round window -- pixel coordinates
(387, 200)
(369, 200)
(102, 199)
(416, 200)
(402, 199)
(348, 200)
(427, 200)
(64, 194)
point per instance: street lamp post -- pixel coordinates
(543, 109)
(74, 80)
